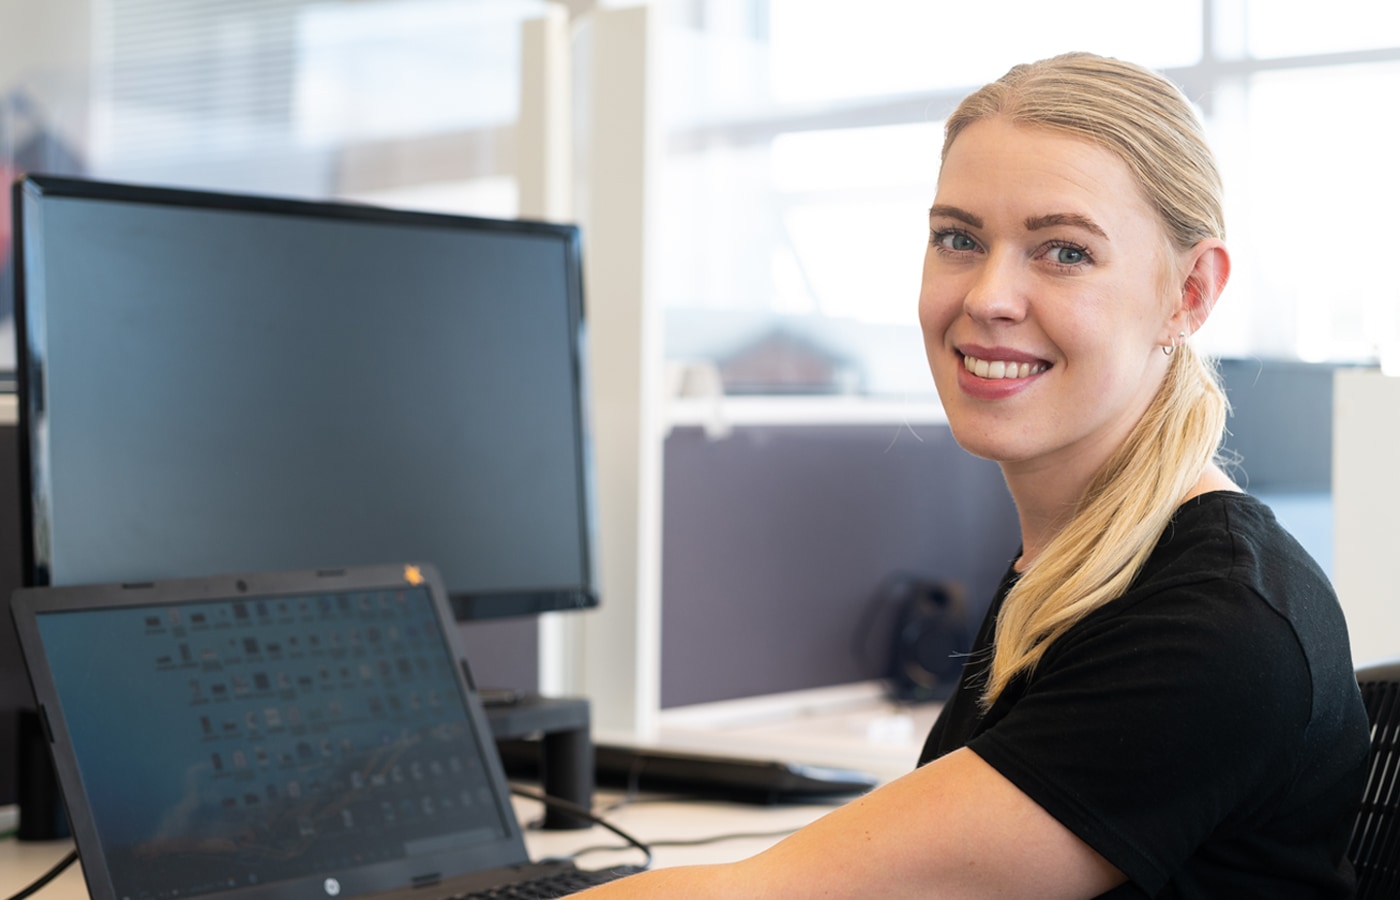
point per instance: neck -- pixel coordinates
(1043, 507)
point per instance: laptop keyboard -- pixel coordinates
(561, 884)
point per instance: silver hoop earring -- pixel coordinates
(1169, 350)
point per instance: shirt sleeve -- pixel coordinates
(1156, 722)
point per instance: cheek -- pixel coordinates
(934, 321)
(926, 311)
(937, 307)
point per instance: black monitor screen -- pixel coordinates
(214, 384)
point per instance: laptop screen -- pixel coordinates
(230, 743)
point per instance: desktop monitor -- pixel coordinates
(211, 384)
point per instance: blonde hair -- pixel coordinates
(1145, 121)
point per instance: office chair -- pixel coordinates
(1375, 838)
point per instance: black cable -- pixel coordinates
(732, 836)
(574, 808)
(48, 876)
(697, 842)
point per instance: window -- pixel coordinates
(402, 102)
(803, 140)
(801, 144)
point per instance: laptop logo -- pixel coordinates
(332, 887)
(413, 575)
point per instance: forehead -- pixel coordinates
(997, 166)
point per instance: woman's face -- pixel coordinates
(1042, 303)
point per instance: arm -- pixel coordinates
(954, 828)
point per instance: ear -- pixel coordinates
(1207, 268)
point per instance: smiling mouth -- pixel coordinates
(995, 369)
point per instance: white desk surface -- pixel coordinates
(848, 726)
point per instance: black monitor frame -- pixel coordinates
(469, 602)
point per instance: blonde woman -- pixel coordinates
(1161, 701)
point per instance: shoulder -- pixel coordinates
(1226, 557)
(1236, 610)
(1234, 536)
(1259, 560)
(1225, 567)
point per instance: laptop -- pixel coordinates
(270, 736)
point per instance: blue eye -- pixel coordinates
(1065, 255)
(957, 241)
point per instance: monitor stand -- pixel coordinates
(566, 746)
(41, 813)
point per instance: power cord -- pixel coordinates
(48, 876)
(644, 847)
(696, 842)
(575, 809)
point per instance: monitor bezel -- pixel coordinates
(31, 190)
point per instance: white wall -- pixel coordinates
(1366, 503)
(606, 125)
(619, 668)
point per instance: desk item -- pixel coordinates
(271, 736)
(564, 734)
(41, 816)
(704, 774)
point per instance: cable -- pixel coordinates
(721, 838)
(567, 806)
(48, 876)
(696, 842)
(648, 847)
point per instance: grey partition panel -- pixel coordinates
(1280, 439)
(504, 653)
(1280, 424)
(777, 538)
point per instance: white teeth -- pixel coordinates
(998, 368)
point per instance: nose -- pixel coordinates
(997, 293)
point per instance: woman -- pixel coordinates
(1161, 701)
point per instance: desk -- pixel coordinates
(648, 820)
(22, 862)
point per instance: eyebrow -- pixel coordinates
(953, 212)
(1033, 223)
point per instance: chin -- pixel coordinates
(979, 443)
(1000, 441)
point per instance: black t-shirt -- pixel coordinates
(1203, 732)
